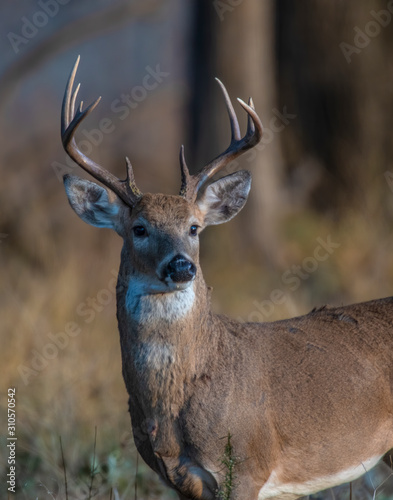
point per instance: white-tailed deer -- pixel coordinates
(307, 401)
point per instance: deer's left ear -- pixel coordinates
(224, 198)
(93, 203)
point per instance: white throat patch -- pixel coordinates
(153, 307)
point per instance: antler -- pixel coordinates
(70, 121)
(192, 185)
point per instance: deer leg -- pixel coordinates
(190, 479)
(388, 459)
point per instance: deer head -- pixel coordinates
(160, 231)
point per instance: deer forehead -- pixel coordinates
(162, 210)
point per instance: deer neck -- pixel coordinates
(162, 329)
(147, 311)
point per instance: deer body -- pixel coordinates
(307, 401)
(290, 420)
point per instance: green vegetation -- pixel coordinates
(229, 462)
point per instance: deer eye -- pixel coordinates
(139, 231)
(194, 230)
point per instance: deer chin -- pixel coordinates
(173, 286)
(139, 287)
(153, 304)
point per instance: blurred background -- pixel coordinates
(317, 226)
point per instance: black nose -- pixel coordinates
(180, 269)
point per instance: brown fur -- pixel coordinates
(307, 396)
(303, 399)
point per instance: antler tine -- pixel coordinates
(237, 146)
(186, 178)
(250, 123)
(73, 99)
(235, 129)
(130, 181)
(254, 128)
(70, 121)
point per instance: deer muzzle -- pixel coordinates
(180, 270)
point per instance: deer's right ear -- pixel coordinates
(92, 202)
